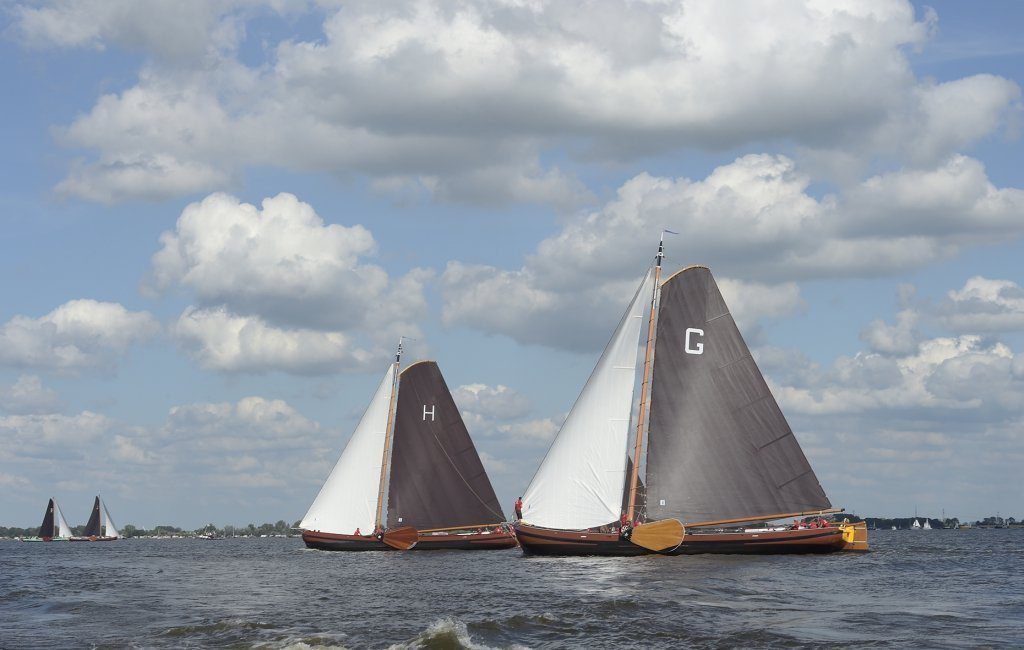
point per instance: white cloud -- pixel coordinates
(27, 396)
(279, 289)
(499, 401)
(499, 413)
(941, 375)
(536, 431)
(79, 334)
(750, 302)
(219, 340)
(466, 100)
(13, 481)
(889, 432)
(254, 443)
(899, 338)
(753, 220)
(179, 30)
(52, 436)
(252, 423)
(140, 176)
(984, 305)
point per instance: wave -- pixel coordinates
(442, 634)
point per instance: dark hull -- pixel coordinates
(827, 540)
(549, 541)
(93, 539)
(475, 542)
(427, 542)
(333, 542)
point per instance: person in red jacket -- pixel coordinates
(357, 531)
(519, 508)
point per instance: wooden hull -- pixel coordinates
(473, 542)
(548, 541)
(335, 542)
(424, 542)
(93, 539)
(535, 540)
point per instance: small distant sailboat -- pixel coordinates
(438, 494)
(100, 527)
(916, 525)
(54, 528)
(721, 460)
(927, 525)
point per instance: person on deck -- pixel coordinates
(519, 508)
(357, 531)
(623, 521)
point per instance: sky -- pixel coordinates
(220, 215)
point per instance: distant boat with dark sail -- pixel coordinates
(54, 528)
(100, 527)
(413, 441)
(721, 461)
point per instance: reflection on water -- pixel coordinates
(937, 589)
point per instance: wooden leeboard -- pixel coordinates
(402, 538)
(657, 536)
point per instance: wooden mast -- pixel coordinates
(387, 438)
(643, 387)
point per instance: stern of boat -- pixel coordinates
(855, 536)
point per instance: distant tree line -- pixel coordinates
(280, 527)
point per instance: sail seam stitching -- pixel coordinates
(732, 363)
(798, 476)
(772, 442)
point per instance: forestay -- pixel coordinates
(718, 444)
(437, 479)
(348, 499)
(579, 483)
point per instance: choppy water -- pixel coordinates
(934, 589)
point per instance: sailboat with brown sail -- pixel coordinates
(54, 527)
(413, 441)
(721, 461)
(100, 527)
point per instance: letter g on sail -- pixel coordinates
(697, 347)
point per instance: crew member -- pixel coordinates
(357, 531)
(519, 508)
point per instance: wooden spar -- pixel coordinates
(643, 390)
(784, 515)
(387, 439)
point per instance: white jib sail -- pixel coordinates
(108, 524)
(63, 530)
(579, 482)
(348, 499)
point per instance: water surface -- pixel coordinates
(917, 588)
